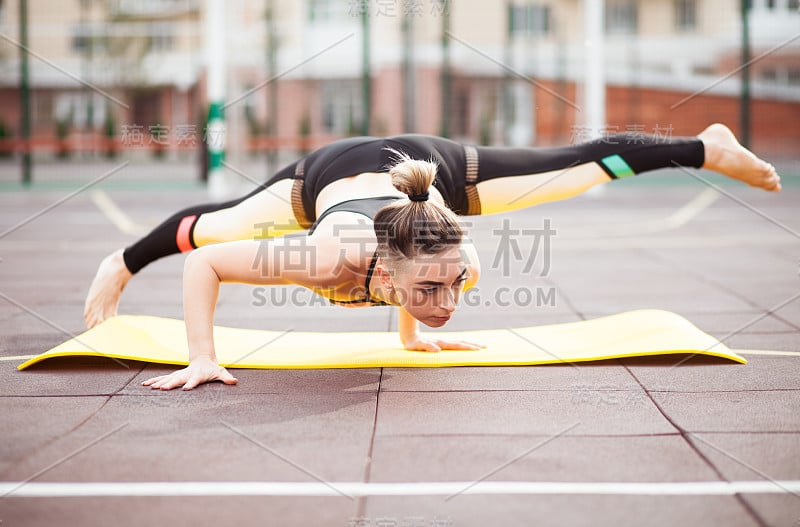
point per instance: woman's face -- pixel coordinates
(429, 286)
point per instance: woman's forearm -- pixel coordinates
(200, 292)
(407, 327)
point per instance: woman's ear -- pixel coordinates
(384, 275)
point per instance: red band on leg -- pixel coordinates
(182, 237)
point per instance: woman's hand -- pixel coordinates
(420, 343)
(199, 370)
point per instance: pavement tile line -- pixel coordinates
(426, 488)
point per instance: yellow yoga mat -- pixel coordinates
(630, 334)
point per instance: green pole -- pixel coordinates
(215, 124)
(744, 98)
(446, 75)
(215, 130)
(409, 88)
(86, 64)
(24, 88)
(508, 104)
(272, 67)
(366, 74)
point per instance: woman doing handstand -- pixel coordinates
(381, 226)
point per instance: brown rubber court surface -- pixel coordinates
(726, 260)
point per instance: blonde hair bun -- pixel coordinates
(419, 226)
(412, 176)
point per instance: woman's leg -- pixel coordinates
(515, 178)
(240, 219)
(265, 212)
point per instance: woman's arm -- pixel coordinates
(248, 261)
(408, 327)
(200, 292)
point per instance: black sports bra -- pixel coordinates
(368, 207)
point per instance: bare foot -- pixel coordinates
(725, 155)
(103, 298)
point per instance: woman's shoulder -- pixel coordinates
(343, 248)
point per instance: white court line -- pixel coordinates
(115, 215)
(692, 209)
(17, 357)
(767, 352)
(677, 219)
(434, 488)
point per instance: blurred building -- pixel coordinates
(295, 70)
(102, 67)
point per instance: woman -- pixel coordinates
(384, 238)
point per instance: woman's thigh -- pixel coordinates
(504, 194)
(265, 214)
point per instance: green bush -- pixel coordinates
(109, 129)
(305, 132)
(62, 132)
(4, 134)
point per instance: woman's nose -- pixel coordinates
(448, 302)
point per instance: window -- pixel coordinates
(622, 18)
(80, 39)
(341, 108)
(320, 10)
(782, 75)
(530, 19)
(780, 6)
(162, 42)
(71, 108)
(460, 116)
(539, 18)
(42, 109)
(80, 43)
(685, 15)
(769, 74)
